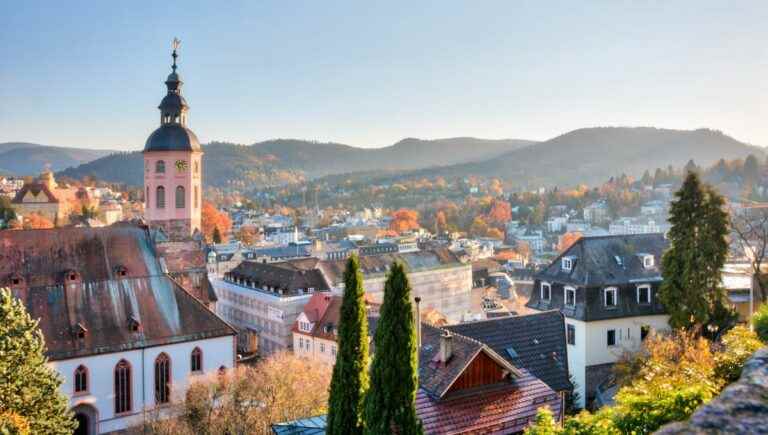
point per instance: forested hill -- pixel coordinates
(286, 160)
(22, 158)
(592, 155)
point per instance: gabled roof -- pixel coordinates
(437, 378)
(117, 277)
(324, 311)
(536, 340)
(165, 312)
(35, 189)
(41, 257)
(607, 260)
(495, 409)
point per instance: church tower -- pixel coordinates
(173, 162)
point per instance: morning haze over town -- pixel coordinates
(454, 217)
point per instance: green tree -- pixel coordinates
(691, 266)
(7, 212)
(350, 373)
(544, 424)
(390, 402)
(216, 237)
(28, 387)
(760, 322)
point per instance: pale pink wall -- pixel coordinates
(171, 179)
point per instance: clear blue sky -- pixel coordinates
(370, 73)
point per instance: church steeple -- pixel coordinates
(174, 108)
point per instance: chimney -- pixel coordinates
(446, 347)
(418, 323)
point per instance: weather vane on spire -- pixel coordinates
(175, 45)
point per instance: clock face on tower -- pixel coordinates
(181, 165)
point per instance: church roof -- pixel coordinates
(172, 137)
(102, 280)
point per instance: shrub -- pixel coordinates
(760, 322)
(738, 345)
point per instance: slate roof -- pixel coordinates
(538, 340)
(172, 137)
(293, 277)
(374, 265)
(600, 262)
(117, 280)
(596, 264)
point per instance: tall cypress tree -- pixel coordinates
(350, 373)
(390, 402)
(692, 265)
(29, 389)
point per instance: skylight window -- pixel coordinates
(511, 352)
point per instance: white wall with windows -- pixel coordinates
(315, 348)
(100, 394)
(588, 342)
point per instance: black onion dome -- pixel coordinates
(173, 101)
(172, 137)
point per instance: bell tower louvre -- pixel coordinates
(173, 162)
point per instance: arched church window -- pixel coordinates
(197, 196)
(160, 200)
(147, 197)
(180, 197)
(160, 167)
(81, 379)
(162, 379)
(122, 387)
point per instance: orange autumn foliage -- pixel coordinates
(500, 213)
(212, 218)
(404, 220)
(35, 221)
(568, 239)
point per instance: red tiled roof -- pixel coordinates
(493, 409)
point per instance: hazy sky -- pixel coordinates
(370, 73)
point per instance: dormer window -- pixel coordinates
(546, 291)
(133, 324)
(305, 326)
(648, 261)
(71, 276)
(610, 297)
(16, 280)
(570, 297)
(121, 271)
(567, 263)
(80, 331)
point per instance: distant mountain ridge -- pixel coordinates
(592, 155)
(23, 158)
(285, 160)
(584, 156)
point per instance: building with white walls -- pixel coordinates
(125, 337)
(607, 289)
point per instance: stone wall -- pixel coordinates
(741, 408)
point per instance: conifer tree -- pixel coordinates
(690, 290)
(350, 373)
(29, 389)
(216, 237)
(390, 402)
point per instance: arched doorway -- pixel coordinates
(87, 419)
